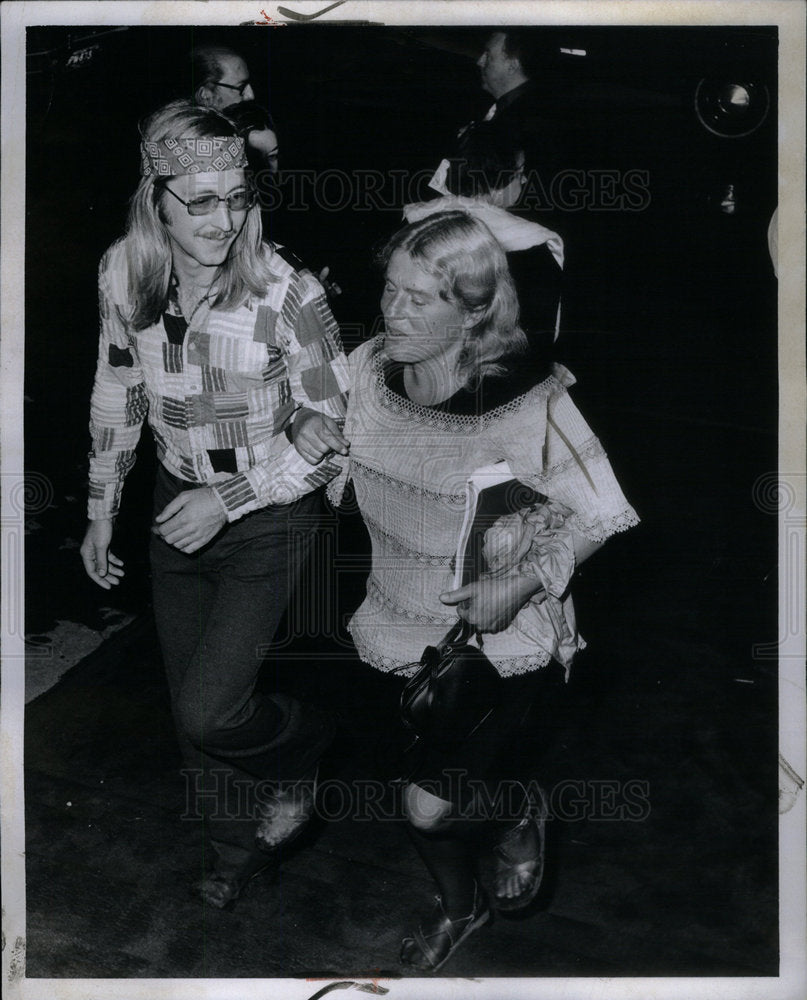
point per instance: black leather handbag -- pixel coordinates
(455, 689)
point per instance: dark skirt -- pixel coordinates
(493, 765)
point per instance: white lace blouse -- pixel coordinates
(409, 465)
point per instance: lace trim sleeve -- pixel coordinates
(576, 472)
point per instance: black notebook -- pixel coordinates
(491, 492)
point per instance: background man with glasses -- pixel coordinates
(220, 78)
(231, 354)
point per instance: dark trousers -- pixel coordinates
(217, 610)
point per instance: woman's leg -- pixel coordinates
(461, 906)
(518, 831)
(487, 777)
(447, 856)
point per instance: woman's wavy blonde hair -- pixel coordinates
(148, 251)
(462, 253)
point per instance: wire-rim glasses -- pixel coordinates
(240, 87)
(206, 204)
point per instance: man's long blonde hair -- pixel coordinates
(148, 250)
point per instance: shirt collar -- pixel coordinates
(172, 298)
(512, 95)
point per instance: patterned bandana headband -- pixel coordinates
(171, 157)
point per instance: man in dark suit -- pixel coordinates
(521, 76)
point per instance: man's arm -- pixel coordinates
(117, 411)
(318, 377)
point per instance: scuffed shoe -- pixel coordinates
(286, 814)
(226, 882)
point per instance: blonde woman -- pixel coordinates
(442, 391)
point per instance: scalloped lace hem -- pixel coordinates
(599, 531)
(509, 667)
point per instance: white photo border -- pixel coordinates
(789, 17)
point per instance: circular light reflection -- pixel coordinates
(730, 109)
(735, 99)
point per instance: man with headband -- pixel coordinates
(236, 361)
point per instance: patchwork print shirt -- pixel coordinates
(218, 392)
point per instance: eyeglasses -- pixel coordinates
(236, 201)
(241, 87)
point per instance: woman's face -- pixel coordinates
(507, 196)
(420, 325)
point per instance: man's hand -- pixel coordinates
(332, 289)
(191, 519)
(315, 435)
(101, 565)
(491, 604)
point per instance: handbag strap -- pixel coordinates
(460, 632)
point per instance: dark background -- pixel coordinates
(669, 324)
(669, 313)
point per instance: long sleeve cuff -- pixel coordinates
(280, 481)
(106, 485)
(104, 501)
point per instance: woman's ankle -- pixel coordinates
(460, 900)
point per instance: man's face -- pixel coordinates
(498, 69)
(203, 239)
(233, 84)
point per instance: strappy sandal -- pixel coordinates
(435, 942)
(286, 814)
(519, 859)
(224, 885)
